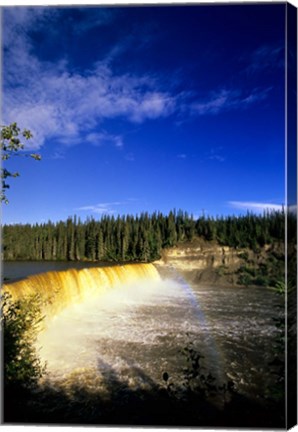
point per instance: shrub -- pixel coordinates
(197, 385)
(261, 281)
(243, 255)
(20, 323)
(245, 279)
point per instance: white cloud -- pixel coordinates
(71, 107)
(108, 208)
(255, 206)
(67, 106)
(104, 137)
(101, 208)
(54, 103)
(154, 105)
(214, 103)
(224, 100)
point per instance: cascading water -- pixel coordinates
(109, 328)
(60, 289)
(122, 321)
(131, 332)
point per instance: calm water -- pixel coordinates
(13, 270)
(133, 334)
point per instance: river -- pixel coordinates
(132, 334)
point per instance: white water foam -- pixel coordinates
(118, 329)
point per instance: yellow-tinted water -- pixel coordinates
(124, 326)
(64, 288)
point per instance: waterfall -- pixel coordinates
(60, 289)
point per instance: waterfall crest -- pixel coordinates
(60, 289)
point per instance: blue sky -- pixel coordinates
(145, 108)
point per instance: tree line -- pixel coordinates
(135, 238)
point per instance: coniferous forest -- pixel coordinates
(136, 238)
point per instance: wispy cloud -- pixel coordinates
(214, 103)
(224, 100)
(181, 156)
(69, 106)
(55, 102)
(109, 208)
(255, 206)
(72, 107)
(265, 57)
(100, 138)
(217, 158)
(101, 208)
(87, 22)
(216, 154)
(58, 155)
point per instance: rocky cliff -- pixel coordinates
(209, 263)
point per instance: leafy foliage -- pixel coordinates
(11, 145)
(20, 322)
(196, 383)
(263, 273)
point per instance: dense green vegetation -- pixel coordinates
(21, 367)
(263, 270)
(136, 238)
(20, 323)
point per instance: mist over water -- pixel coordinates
(135, 330)
(128, 325)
